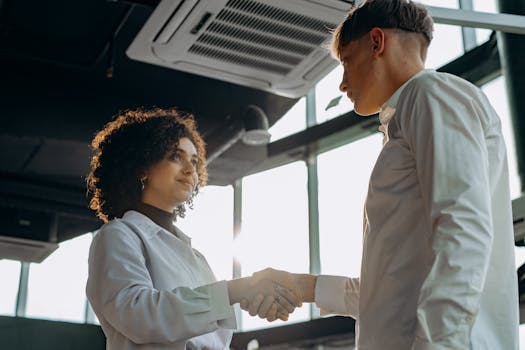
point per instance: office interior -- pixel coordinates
(293, 202)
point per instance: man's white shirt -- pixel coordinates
(438, 269)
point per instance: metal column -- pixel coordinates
(469, 34)
(511, 48)
(21, 298)
(313, 200)
(237, 224)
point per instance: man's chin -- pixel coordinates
(365, 112)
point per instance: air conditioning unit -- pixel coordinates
(27, 235)
(273, 45)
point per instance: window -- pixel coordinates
(330, 102)
(343, 183)
(446, 45)
(483, 35)
(292, 122)
(210, 225)
(10, 274)
(56, 287)
(496, 91)
(275, 228)
(441, 3)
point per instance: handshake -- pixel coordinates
(272, 294)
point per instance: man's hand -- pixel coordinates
(291, 289)
(262, 296)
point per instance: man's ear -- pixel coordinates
(377, 40)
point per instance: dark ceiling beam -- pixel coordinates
(31, 194)
(145, 3)
(479, 65)
(71, 209)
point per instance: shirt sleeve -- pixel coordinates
(120, 290)
(337, 295)
(445, 133)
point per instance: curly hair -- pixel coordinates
(126, 147)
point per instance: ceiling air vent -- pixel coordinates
(272, 45)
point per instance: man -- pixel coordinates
(438, 268)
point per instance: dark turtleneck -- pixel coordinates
(162, 218)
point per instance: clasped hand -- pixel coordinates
(272, 295)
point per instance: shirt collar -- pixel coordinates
(389, 107)
(149, 227)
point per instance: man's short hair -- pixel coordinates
(388, 14)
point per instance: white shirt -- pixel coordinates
(438, 268)
(151, 290)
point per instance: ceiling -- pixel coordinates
(64, 74)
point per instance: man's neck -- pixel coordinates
(399, 75)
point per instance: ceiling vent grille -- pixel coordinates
(272, 45)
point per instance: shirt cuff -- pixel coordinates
(221, 310)
(335, 295)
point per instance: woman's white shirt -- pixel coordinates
(151, 290)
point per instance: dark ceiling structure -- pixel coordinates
(64, 74)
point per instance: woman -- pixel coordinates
(149, 288)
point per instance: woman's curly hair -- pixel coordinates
(126, 147)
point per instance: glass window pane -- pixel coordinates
(483, 35)
(10, 274)
(343, 183)
(522, 336)
(326, 90)
(446, 45)
(275, 228)
(56, 287)
(210, 226)
(292, 122)
(496, 91)
(441, 3)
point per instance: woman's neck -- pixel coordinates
(159, 216)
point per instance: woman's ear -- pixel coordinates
(143, 180)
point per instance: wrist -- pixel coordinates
(306, 285)
(236, 288)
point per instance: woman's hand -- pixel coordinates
(294, 289)
(260, 295)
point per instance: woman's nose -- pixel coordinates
(188, 167)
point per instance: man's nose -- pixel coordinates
(343, 85)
